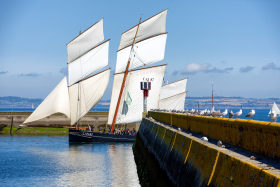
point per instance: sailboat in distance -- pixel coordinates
(274, 113)
(87, 54)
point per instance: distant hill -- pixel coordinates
(230, 102)
(19, 99)
(20, 102)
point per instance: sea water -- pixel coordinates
(53, 161)
(261, 114)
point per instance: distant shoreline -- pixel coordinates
(18, 104)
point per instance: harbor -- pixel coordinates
(54, 124)
(122, 93)
(169, 150)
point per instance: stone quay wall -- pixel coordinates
(96, 119)
(166, 156)
(55, 120)
(257, 136)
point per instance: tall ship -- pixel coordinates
(141, 45)
(87, 56)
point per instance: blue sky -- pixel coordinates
(235, 44)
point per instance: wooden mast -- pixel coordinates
(124, 78)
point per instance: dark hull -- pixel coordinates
(84, 136)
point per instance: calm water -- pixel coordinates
(52, 161)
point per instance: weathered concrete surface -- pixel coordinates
(189, 161)
(256, 136)
(58, 120)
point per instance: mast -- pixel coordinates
(212, 96)
(124, 78)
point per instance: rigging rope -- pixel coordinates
(221, 101)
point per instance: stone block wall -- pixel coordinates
(166, 157)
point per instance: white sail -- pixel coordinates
(85, 41)
(176, 102)
(145, 52)
(56, 102)
(94, 60)
(275, 109)
(172, 89)
(150, 27)
(86, 94)
(131, 113)
(212, 110)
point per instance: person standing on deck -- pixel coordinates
(109, 130)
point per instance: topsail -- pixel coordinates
(144, 53)
(85, 41)
(86, 55)
(149, 46)
(151, 27)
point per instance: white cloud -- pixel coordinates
(193, 68)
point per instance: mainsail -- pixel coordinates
(56, 101)
(86, 94)
(141, 45)
(172, 96)
(86, 55)
(130, 113)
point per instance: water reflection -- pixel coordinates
(36, 161)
